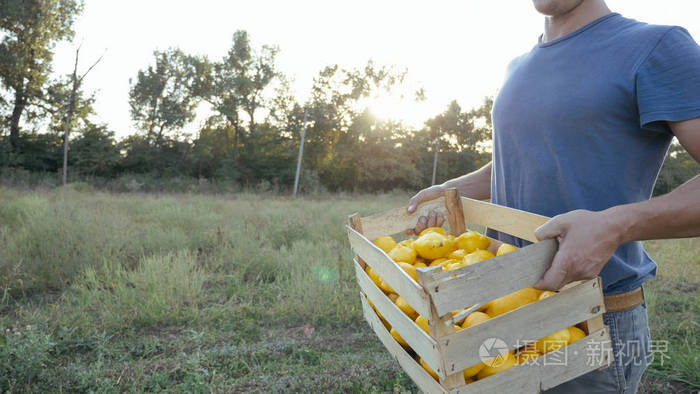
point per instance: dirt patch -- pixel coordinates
(165, 334)
(687, 287)
(251, 386)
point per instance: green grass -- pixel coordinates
(228, 293)
(673, 299)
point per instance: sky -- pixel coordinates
(455, 50)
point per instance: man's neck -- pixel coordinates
(560, 25)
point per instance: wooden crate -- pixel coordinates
(438, 293)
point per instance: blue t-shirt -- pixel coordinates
(580, 123)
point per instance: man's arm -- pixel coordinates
(673, 215)
(588, 239)
(476, 185)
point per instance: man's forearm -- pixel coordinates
(673, 215)
(476, 184)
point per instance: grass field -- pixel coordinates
(137, 292)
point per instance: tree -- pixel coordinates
(75, 86)
(461, 135)
(337, 134)
(50, 115)
(211, 150)
(216, 83)
(271, 156)
(260, 74)
(172, 158)
(282, 106)
(389, 165)
(463, 130)
(34, 152)
(678, 168)
(235, 85)
(31, 29)
(160, 99)
(94, 152)
(57, 96)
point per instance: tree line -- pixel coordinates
(254, 129)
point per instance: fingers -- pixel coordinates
(551, 229)
(421, 225)
(414, 201)
(422, 196)
(434, 219)
(556, 275)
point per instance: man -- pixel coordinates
(581, 127)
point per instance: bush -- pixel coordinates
(94, 152)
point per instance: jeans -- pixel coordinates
(629, 333)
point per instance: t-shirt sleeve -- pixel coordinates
(668, 81)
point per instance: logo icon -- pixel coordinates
(493, 352)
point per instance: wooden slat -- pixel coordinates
(439, 328)
(385, 267)
(525, 324)
(537, 377)
(355, 222)
(398, 220)
(492, 278)
(420, 377)
(493, 245)
(594, 324)
(455, 215)
(465, 312)
(443, 327)
(515, 222)
(419, 341)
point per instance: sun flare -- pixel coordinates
(398, 109)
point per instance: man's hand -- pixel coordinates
(434, 219)
(587, 240)
(475, 185)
